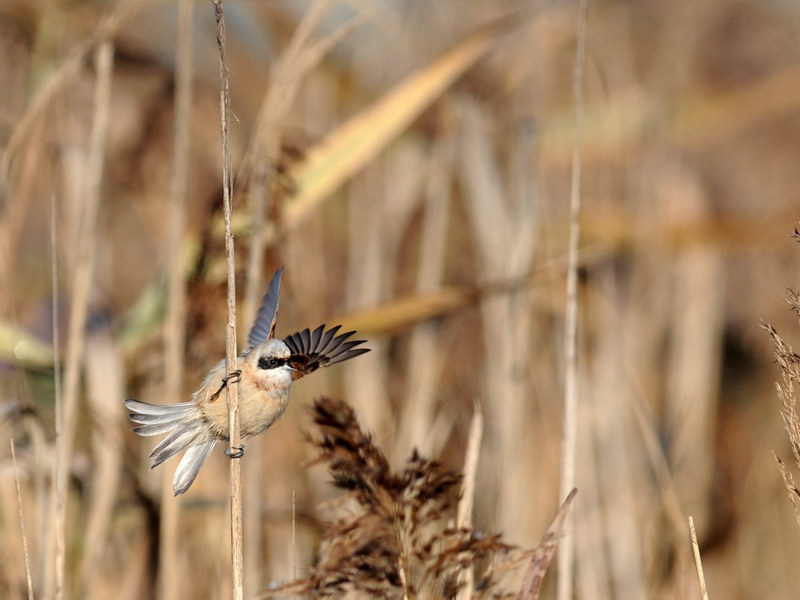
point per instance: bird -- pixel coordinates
(264, 371)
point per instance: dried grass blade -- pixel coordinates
(697, 561)
(544, 553)
(348, 149)
(404, 312)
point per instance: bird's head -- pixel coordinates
(270, 362)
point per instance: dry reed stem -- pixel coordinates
(376, 227)
(76, 338)
(505, 231)
(284, 83)
(694, 360)
(28, 578)
(175, 325)
(697, 562)
(566, 549)
(668, 492)
(232, 389)
(425, 352)
(53, 538)
(105, 386)
(617, 468)
(365, 387)
(63, 77)
(467, 499)
(253, 468)
(261, 156)
(294, 534)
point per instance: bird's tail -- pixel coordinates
(190, 466)
(186, 432)
(155, 419)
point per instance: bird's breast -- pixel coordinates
(261, 403)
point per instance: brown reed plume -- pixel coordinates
(789, 362)
(393, 535)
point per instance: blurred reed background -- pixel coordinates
(409, 163)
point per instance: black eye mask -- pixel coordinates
(270, 362)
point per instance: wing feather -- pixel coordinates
(320, 348)
(316, 336)
(328, 337)
(264, 325)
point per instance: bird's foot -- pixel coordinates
(232, 377)
(236, 451)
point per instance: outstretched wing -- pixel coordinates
(264, 325)
(319, 348)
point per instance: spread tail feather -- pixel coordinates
(187, 429)
(184, 435)
(145, 408)
(190, 466)
(156, 418)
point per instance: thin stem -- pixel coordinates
(252, 296)
(698, 563)
(87, 236)
(56, 497)
(566, 548)
(294, 535)
(232, 388)
(22, 522)
(465, 503)
(175, 329)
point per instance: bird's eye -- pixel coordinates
(268, 362)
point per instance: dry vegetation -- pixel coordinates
(409, 163)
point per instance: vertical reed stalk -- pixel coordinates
(252, 296)
(28, 578)
(84, 268)
(425, 350)
(104, 387)
(52, 541)
(230, 330)
(294, 535)
(175, 327)
(566, 548)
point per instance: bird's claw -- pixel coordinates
(235, 452)
(232, 377)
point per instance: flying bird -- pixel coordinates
(264, 371)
